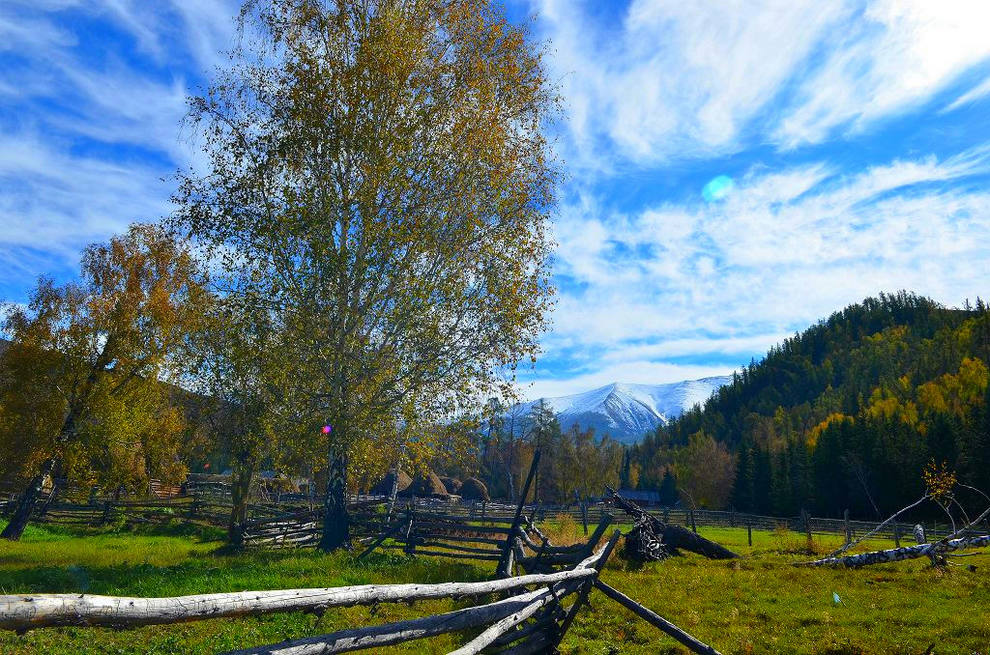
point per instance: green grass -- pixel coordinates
(758, 604)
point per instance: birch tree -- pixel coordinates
(378, 173)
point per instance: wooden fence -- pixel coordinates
(297, 522)
(532, 617)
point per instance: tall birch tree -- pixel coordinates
(378, 173)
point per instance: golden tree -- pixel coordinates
(378, 173)
(705, 471)
(81, 391)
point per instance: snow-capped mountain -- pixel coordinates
(626, 412)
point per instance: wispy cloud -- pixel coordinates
(90, 107)
(701, 281)
(851, 132)
(667, 80)
(896, 55)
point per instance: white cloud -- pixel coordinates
(978, 92)
(675, 77)
(92, 128)
(55, 202)
(785, 249)
(663, 83)
(898, 54)
(674, 80)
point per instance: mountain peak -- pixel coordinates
(624, 410)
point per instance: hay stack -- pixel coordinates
(474, 489)
(453, 485)
(384, 488)
(426, 485)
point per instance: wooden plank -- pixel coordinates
(457, 547)
(582, 598)
(502, 626)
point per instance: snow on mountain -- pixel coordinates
(624, 411)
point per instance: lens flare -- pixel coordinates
(717, 188)
(327, 429)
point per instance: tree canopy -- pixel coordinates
(82, 383)
(379, 185)
(849, 413)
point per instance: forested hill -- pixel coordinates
(846, 414)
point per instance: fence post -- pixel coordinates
(584, 517)
(693, 525)
(504, 568)
(107, 508)
(193, 508)
(806, 519)
(410, 546)
(666, 515)
(897, 534)
(845, 519)
(732, 517)
(749, 532)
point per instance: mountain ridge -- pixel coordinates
(625, 411)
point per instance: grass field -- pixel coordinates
(758, 604)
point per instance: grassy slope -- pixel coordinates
(758, 604)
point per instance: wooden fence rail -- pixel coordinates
(264, 518)
(508, 620)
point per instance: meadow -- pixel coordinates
(756, 604)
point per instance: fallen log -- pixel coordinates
(654, 540)
(541, 623)
(655, 619)
(898, 554)
(22, 612)
(679, 537)
(399, 632)
(507, 614)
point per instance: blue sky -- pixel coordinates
(848, 142)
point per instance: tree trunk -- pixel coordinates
(393, 492)
(933, 551)
(28, 501)
(239, 492)
(336, 528)
(58, 482)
